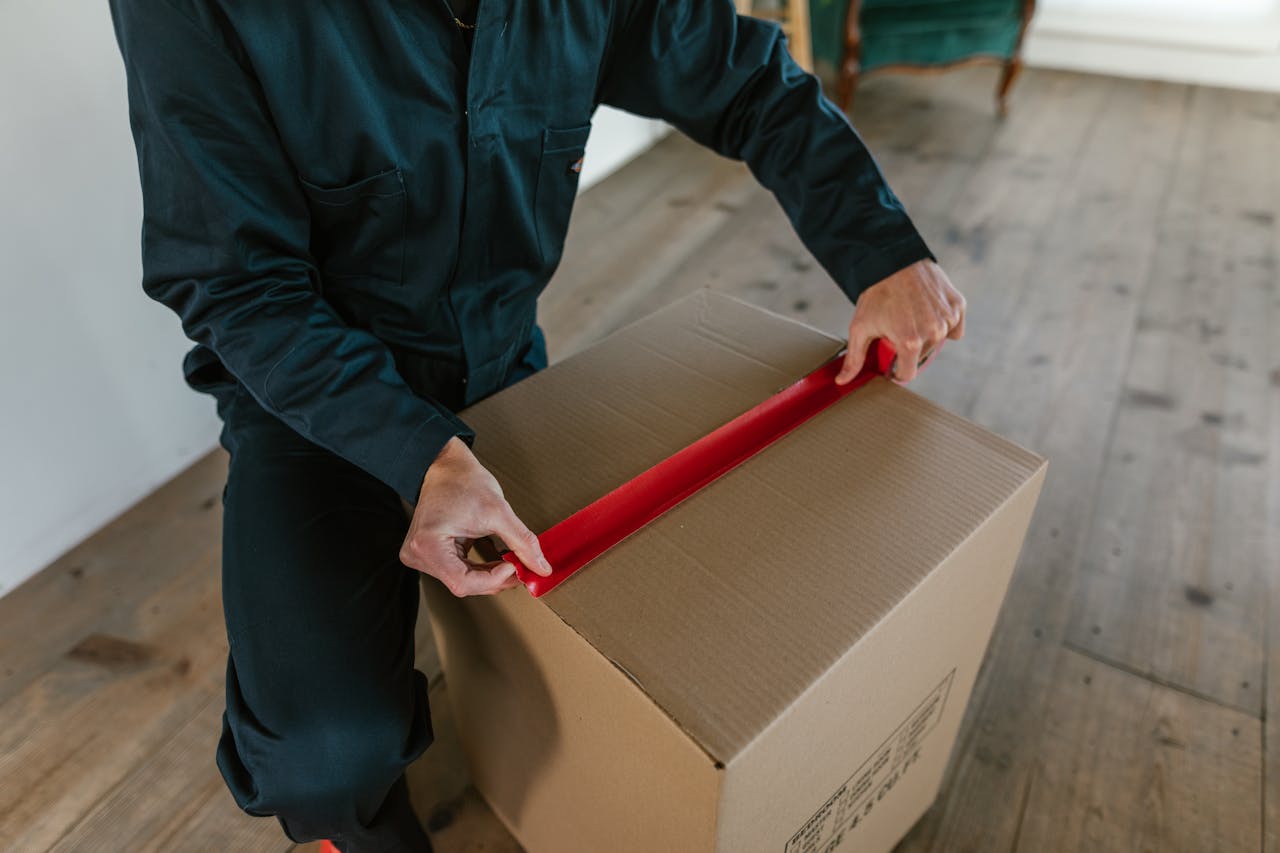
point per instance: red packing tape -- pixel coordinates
(597, 527)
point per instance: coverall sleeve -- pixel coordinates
(728, 82)
(226, 245)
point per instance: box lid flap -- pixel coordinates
(728, 607)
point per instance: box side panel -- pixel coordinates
(728, 608)
(569, 753)
(859, 757)
(725, 610)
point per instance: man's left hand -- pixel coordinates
(915, 310)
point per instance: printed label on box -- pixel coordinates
(853, 801)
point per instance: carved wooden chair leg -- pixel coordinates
(1009, 74)
(851, 58)
(848, 84)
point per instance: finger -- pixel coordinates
(521, 540)
(430, 554)
(437, 557)
(904, 369)
(937, 334)
(487, 580)
(855, 356)
(957, 328)
(512, 581)
(931, 354)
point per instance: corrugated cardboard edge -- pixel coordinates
(981, 436)
(704, 295)
(1033, 483)
(980, 433)
(531, 615)
(636, 684)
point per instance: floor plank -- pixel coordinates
(1125, 766)
(217, 824)
(1055, 389)
(1091, 239)
(1171, 581)
(166, 803)
(993, 238)
(83, 727)
(1271, 562)
(95, 585)
(602, 278)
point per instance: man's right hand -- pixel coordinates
(460, 502)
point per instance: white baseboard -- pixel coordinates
(1233, 54)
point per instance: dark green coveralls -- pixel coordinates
(353, 215)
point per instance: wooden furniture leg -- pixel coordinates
(1009, 74)
(851, 61)
(799, 36)
(1013, 65)
(795, 24)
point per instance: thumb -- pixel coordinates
(522, 541)
(855, 356)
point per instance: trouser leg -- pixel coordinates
(324, 706)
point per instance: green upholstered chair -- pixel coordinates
(862, 36)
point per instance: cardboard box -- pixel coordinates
(781, 662)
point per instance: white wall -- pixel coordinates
(1233, 43)
(93, 410)
(616, 138)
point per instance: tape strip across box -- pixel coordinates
(778, 663)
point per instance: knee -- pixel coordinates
(330, 770)
(335, 769)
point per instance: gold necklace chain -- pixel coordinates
(463, 25)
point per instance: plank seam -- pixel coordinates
(1022, 809)
(1263, 776)
(1129, 669)
(144, 761)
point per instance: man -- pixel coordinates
(353, 207)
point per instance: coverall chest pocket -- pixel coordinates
(558, 172)
(358, 230)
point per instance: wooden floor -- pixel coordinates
(1118, 244)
